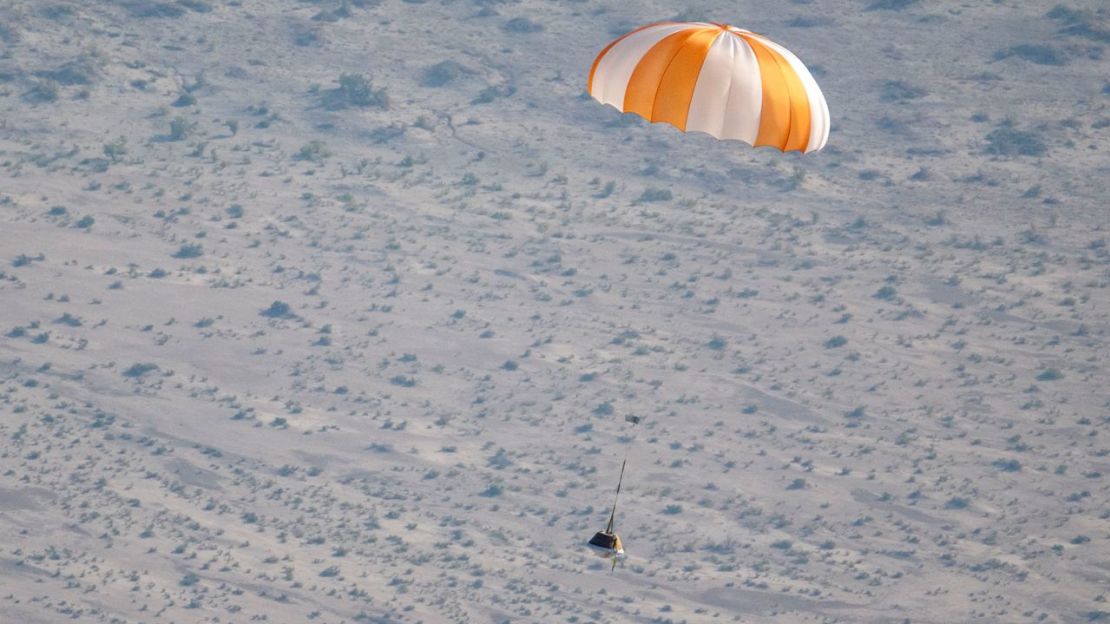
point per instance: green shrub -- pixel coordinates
(180, 129)
(278, 309)
(189, 250)
(42, 92)
(354, 90)
(140, 369)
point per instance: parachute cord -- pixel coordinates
(613, 515)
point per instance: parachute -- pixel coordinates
(714, 78)
(724, 81)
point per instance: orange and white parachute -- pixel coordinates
(714, 78)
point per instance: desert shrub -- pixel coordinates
(116, 149)
(654, 195)
(180, 129)
(385, 134)
(886, 293)
(313, 151)
(939, 218)
(68, 319)
(1007, 465)
(9, 35)
(809, 21)
(342, 11)
(1050, 374)
(24, 260)
(900, 91)
(278, 309)
(148, 9)
(606, 190)
(890, 5)
(492, 93)
(1034, 53)
(442, 73)
(1079, 23)
(835, 342)
(499, 460)
(717, 343)
(140, 369)
(77, 72)
(56, 11)
(522, 25)
(189, 250)
(42, 92)
(894, 126)
(354, 90)
(1006, 140)
(198, 6)
(1061, 12)
(494, 490)
(185, 99)
(305, 37)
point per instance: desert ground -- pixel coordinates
(333, 311)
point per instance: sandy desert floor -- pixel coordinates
(270, 352)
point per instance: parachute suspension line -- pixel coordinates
(613, 514)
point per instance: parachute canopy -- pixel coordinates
(714, 78)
